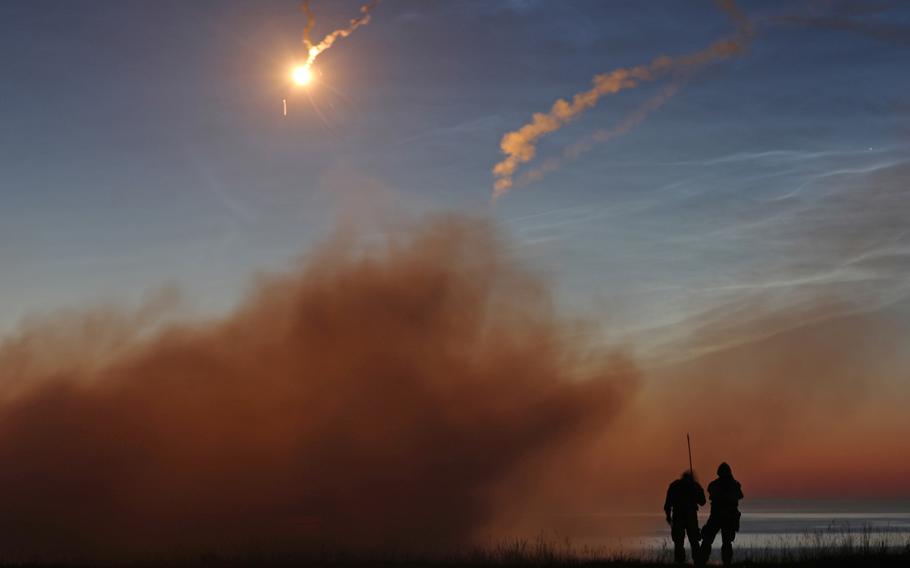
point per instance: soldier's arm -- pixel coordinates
(701, 496)
(739, 490)
(667, 505)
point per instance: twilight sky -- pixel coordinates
(142, 144)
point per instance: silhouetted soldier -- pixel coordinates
(725, 493)
(683, 498)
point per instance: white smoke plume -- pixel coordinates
(600, 136)
(520, 146)
(315, 49)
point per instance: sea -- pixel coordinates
(768, 528)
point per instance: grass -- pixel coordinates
(834, 547)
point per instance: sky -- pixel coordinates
(740, 248)
(143, 145)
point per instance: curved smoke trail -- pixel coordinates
(520, 146)
(314, 50)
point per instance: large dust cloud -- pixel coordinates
(393, 394)
(421, 391)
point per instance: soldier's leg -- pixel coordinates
(678, 532)
(708, 532)
(694, 536)
(727, 535)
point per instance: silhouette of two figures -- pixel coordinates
(685, 496)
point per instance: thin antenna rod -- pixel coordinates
(689, 444)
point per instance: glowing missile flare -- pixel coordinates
(302, 75)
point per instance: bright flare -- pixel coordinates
(302, 75)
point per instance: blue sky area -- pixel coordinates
(142, 143)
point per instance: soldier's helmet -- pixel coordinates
(724, 470)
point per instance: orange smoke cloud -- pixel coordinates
(378, 398)
(422, 393)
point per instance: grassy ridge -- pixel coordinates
(859, 549)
